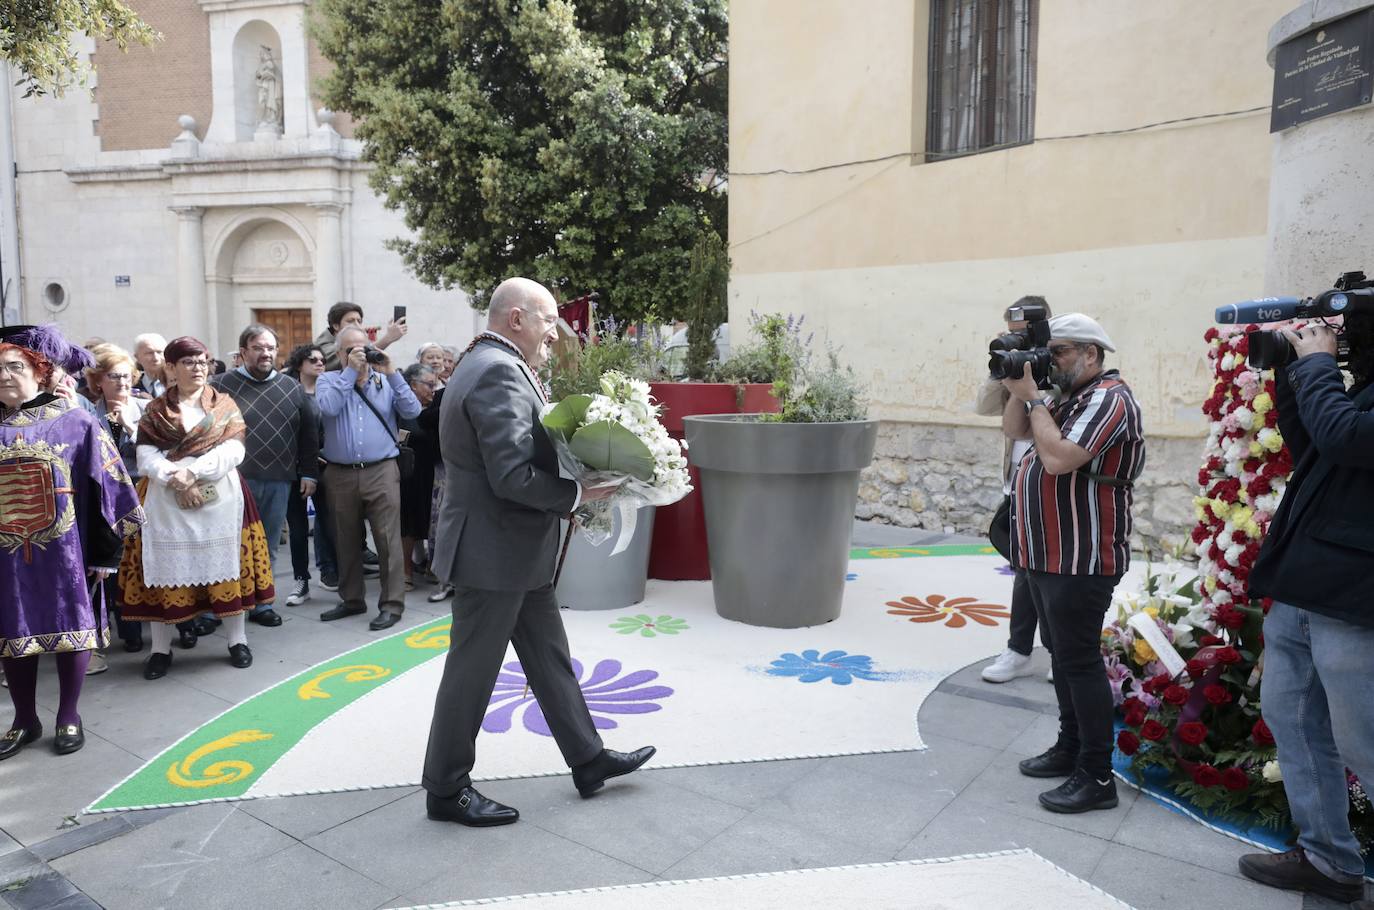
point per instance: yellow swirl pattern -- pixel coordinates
(354, 674)
(897, 552)
(436, 638)
(183, 774)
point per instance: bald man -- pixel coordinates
(497, 544)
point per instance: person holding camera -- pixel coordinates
(992, 400)
(360, 405)
(1315, 564)
(1070, 534)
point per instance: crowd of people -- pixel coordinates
(170, 522)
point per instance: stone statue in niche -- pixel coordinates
(268, 79)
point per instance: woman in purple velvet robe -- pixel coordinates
(66, 504)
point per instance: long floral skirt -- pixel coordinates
(224, 598)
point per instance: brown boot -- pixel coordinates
(1292, 871)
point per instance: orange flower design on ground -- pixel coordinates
(954, 612)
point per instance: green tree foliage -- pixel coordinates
(570, 141)
(706, 307)
(35, 37)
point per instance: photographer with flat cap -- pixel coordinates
(1070, 534)
(1316, 564)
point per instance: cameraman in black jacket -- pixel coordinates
(1317, 563)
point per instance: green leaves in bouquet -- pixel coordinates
(607, 446)
(566, 416)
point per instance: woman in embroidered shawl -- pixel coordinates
(203, 547)
(66, 503)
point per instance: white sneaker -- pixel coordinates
(1007, 667)
(300, 593)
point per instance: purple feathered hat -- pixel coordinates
(48, 341)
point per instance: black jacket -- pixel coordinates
(1319, 552)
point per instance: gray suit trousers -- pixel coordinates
(483, 623)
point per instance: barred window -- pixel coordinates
(982, 75)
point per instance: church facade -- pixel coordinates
(198, 186)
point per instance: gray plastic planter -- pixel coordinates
(593, 579)
(779, 500)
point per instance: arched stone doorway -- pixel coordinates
(264, 272)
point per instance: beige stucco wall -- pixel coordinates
(907, 265)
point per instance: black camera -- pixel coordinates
(1353, 293)
(374, 355)
(1009, 353)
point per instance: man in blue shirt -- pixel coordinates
(363, 480)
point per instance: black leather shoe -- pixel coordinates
(267, 618)
(205, 625)
(589, 777)
(1293, 871)
(1081, 793)
(14, 740)
(240, 656)
(469, 807)
(1053, 762)
(384, 620)
(340, 612)
(133, 645)
(155, 667)
(68, 739)
(187, 638)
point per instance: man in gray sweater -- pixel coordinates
(283, 443)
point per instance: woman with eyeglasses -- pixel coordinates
(203, 548)
(67, 504)
(305, 364)
(111, 381)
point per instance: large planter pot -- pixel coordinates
(679, 546)
(593, 579)
(779, 502)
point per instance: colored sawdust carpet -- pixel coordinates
(984, 881)
(667, 671)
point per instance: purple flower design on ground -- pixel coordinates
(1005, 569)
(606, 692)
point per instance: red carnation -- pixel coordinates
(1241, 344)
(1211, 335)
(1235, 779)
(1206, 776)
(1199, 533)
(1175, 695)
(1192, 733)
(1261, 734)
(1127, 742)
(1217, 694)
(1227, 655)
(1260, 486)
(1153, 730)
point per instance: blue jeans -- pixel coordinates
(272, 497)
(1315, 699)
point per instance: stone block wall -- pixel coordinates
(948, 478)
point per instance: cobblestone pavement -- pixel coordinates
(375, 848)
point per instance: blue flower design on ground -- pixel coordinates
(1005, 569)
(851, 576)
(606, 692)
(839, 667)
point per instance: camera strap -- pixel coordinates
(373, 408)
(1110, 481)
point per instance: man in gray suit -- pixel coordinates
(497, 544)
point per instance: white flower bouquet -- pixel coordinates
(615, 437)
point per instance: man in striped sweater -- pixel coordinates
(1070, 533)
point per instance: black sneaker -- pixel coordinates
(1081, 793)
(1053, 762)
(300, 593)
(329, 581)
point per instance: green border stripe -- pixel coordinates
(279, 712)
(939, 549)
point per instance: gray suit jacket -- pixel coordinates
(498, 523)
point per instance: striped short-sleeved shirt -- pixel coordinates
(1070, 524)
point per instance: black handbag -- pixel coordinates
(405, 455)
(999, 530)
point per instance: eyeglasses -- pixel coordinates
(314, 360)
(15, 367)
(194, 364)
(1059, 350)
(119, 377)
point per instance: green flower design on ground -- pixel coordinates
(649, 626)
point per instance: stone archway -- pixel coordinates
(263, 270)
